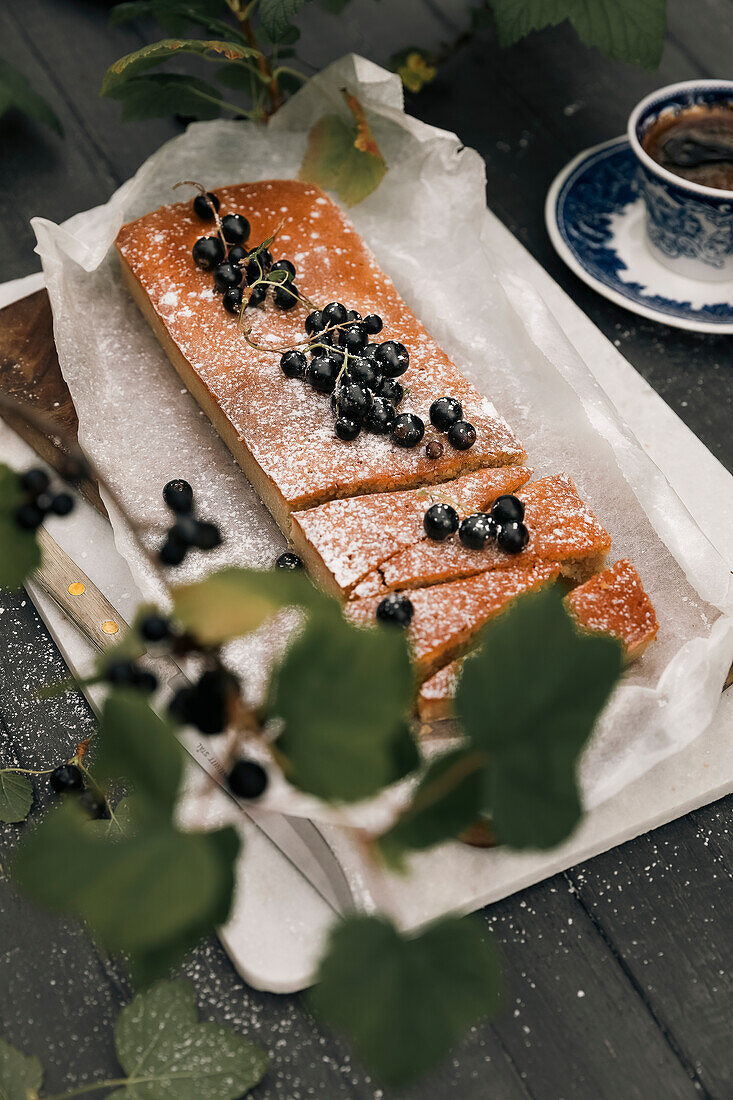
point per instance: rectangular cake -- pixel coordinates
(279, 429)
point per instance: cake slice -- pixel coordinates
(561, 528)
(447, 617)
(614, 602)
(343, 540)
(280, 430)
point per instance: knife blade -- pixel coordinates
(299, 840)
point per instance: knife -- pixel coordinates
(299, 840)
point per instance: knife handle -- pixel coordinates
(78, 597)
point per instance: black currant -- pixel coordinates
(407, 430)
(370, 351)
(120, 673)
(287, 266)
(293, 363)
(314, 322)
(353, 338)
(144, 681)
(393, 358)
(390, 389)
(34, 481)
(178, 495)
(208, 253)
(322, 373)
(28, 516)
(259, 264)
(233, 299)
(247, 779)
(207, 704)
(237, 254)
(257, 295)
(208, 536)
(381, 416)
(506, 508)
(289, 561)
(335, 313)
(445, 412)
(373, 324)
(43, 503)
(476, 530)
(94, 806)
(347, 429)
(62, 504)
(440, 521)
(184, 531)
(66, 779)
(352, 315)
(364, 371)
(434, 449)
(172, 553)
(236, 228)
(512, 537)
(154, 627)
(352, 400)
(203, 204)
(395, 609)
(226, 275)
(462, 435)
(284, 298)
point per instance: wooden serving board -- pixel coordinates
(30, 373)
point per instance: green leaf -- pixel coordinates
(163, 94)
(176, 16)
(342, 156)
(169, 1055)
(20, 553)
(137, 744)
(16, 91)
(142, 894)
(132, 64)
(558, 681)
(405, 1001)
(21, 1076)
(235, 601)
(343, 695)
(628, 30)
(447, 800)
(16, 796)
(277, 15)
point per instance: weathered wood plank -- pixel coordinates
(664, 902)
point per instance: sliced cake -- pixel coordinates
(561, 529)
(447, 617)
(613, 602)
(344, 540)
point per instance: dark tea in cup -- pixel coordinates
(695, 143)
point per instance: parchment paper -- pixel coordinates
(425, 224)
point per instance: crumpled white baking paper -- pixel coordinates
(425, 224)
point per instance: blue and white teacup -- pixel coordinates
(689, 226)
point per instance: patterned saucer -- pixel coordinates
(596, 220)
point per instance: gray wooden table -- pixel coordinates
(618, 972)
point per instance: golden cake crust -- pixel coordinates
(615, 603)
(280, 430)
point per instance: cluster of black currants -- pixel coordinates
(446, 414)
(234, 267)
(68, 779)
(504, 523)
(39, 501)
(187, 532)
(360, 375)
